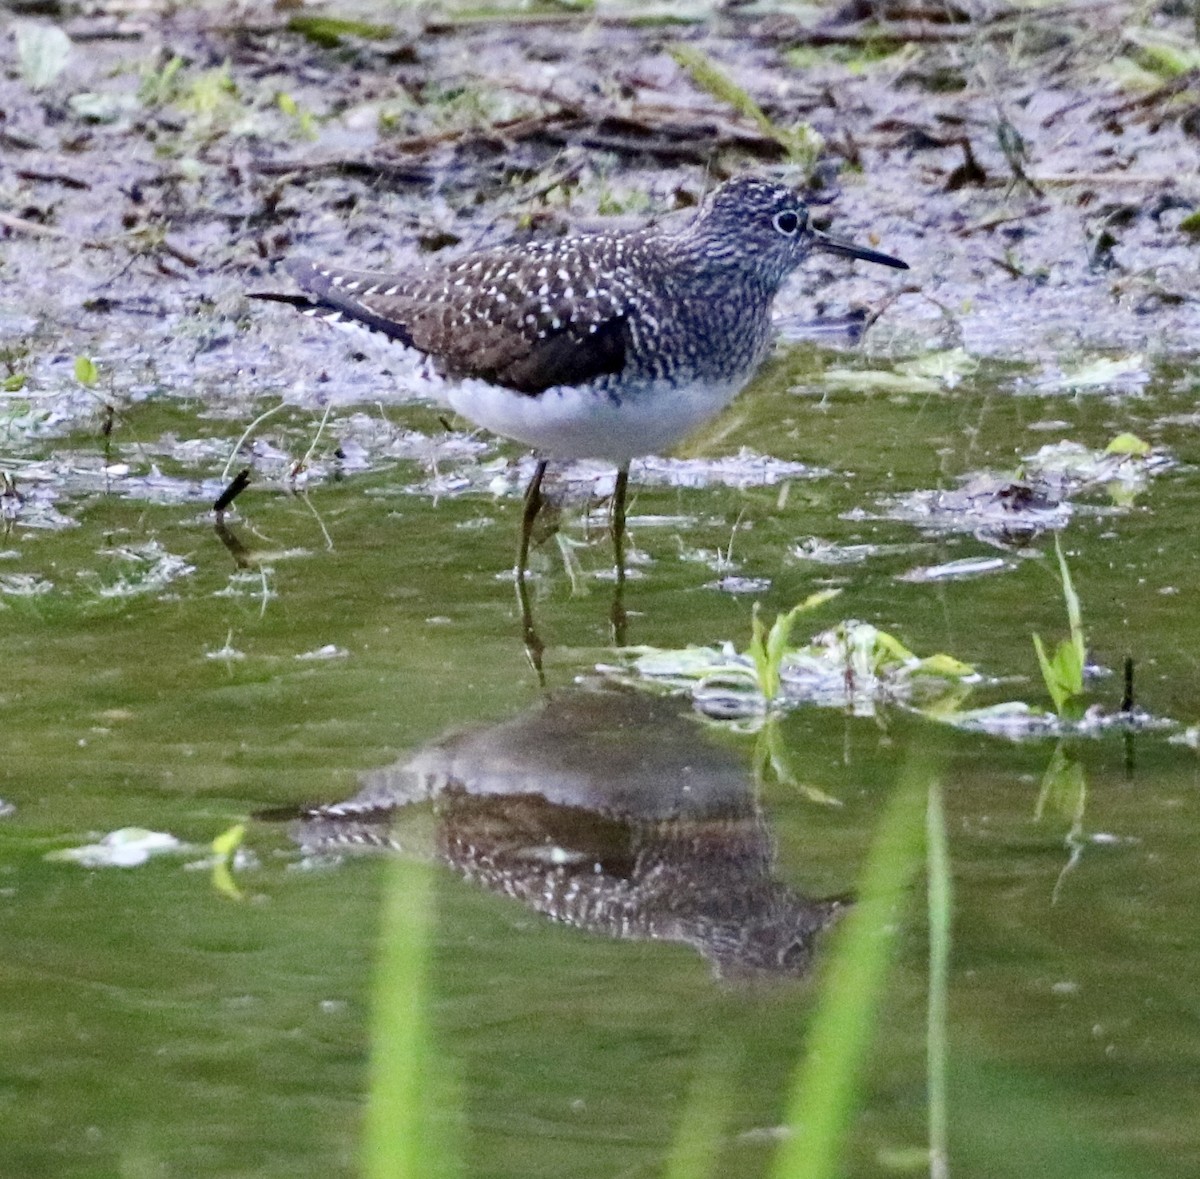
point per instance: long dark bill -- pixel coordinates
(844, 249)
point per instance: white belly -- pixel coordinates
(586, 422)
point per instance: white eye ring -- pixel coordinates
(787, 222)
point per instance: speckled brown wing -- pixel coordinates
(526, 318)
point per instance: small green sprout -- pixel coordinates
(767, 648)
(304, 122)
(159, 87)
(212, 96)
(1063, 672)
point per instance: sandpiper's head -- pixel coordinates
(767, 223)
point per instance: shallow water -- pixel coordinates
(156, 678)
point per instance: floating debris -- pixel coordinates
(955, 570)
(733, 584)
(1011, 509)
(228, 653)
(828, 552)
(1123, 469)
(1189, 737)
(1119, 373)
(854, 666)
(128, 847)
(153, 569)
(1019, 721)
(860, 669)
(745, 469)
(329, 651)
(932, 373)
(997, 509)
(24, 585)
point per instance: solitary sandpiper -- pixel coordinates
(604, 346)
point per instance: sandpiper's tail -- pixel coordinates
(337, 296)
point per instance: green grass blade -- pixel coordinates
(767, 675)
(768, 648)
(711, 78)
(1063, 673)
(695, 1153)
(404, 1134)
(941, 900)
(802, 144)
(778, 638)
(827, 1086)
(1074, 611)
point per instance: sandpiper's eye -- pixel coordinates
(787, 222)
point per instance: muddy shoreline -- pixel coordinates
(1033, 170)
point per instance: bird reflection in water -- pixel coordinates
(606, 810)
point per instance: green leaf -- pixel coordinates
(767, 649)
(1068, 666)
(940, 909)
(1098, 372)
(42, 51)
(15, 383)
(816, 599)
(211, 92)
(946, 666)
(887, 645)
(224, 847)
(305, 123)
(1063, 673)
(768, 677)
(1128, 75)
(86, 372)
(229, 841)
(777, 642)
(1128, 444)
(1049, 675)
